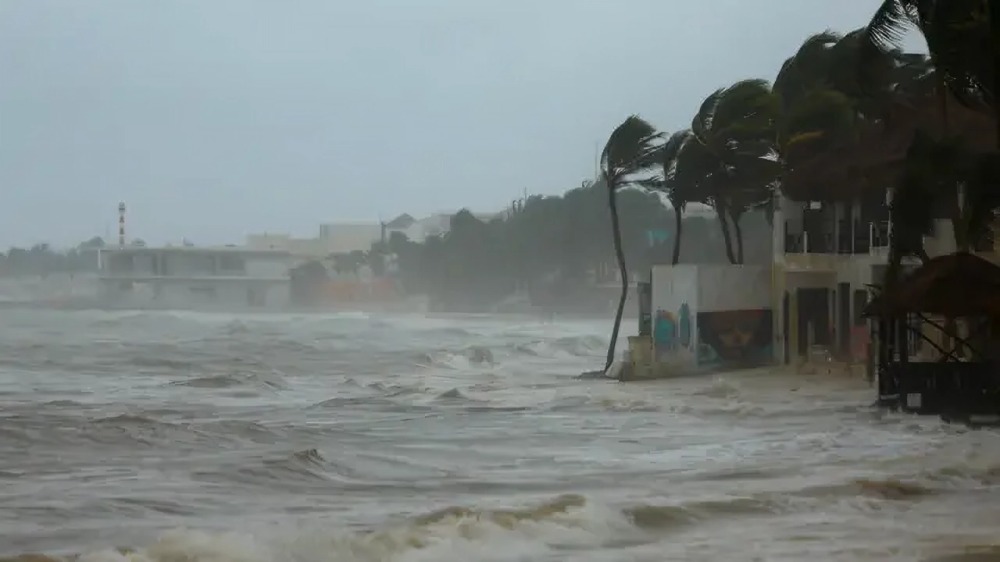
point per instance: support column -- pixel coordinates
(793, 323)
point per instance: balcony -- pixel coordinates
(807, 251)
(865, 238)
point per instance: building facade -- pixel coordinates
(827, 257)
(195, 277)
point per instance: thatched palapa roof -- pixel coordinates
(954, 285)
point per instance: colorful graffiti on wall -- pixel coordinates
(671, 331)
(734, 338)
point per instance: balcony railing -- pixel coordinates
(870, 237)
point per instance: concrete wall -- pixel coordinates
(674, 316)
(733, 287)
(207, 295)
(311, 248)
(348, 237)
(267, 268)
(711, 317)
(184, 264)
(734, 318)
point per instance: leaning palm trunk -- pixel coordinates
(678, 220)
(629, 150)
(738, 233)
(994, 15)
(726, 233)
(623, 270)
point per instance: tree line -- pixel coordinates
(551, 250)
(42, 259)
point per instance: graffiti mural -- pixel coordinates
(734, 338)
(664, 333)
(672, 332)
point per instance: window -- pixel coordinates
(205, 293)
(232, 264)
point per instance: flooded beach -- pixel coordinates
(159, 436)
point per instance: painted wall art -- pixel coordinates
(734, 338)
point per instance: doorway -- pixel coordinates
(844, 318)
(814, 318)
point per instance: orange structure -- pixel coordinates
(380, 289)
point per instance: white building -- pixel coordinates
(826, 256)
(419, 230)
(346, 237)
(195, 277)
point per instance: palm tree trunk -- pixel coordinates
(678, 221)
(726, 238)
(738, 231)
(994, 16)
(623, 270)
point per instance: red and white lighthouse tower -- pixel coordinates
(121, 224)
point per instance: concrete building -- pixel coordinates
(347, 237)
(306, 248)
(703, 318)
(419, 230)
(195, 277)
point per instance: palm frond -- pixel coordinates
(630, 149)
(888, 25)
(701, 124)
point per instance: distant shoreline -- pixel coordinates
(444, 314)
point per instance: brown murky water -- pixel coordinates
(173, 437)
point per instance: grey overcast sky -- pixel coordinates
(215, 118)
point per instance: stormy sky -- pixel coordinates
(215, 118)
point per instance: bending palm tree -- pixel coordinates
(678, 193)
(963, 38)
(731, 136)
(630, 149)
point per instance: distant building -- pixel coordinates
(195, 277)
(347, 237)
(419, 230)
(310, 248)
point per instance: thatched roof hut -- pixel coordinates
(954, 286)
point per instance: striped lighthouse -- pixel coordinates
(121, 224)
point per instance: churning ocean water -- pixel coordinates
(187, 437)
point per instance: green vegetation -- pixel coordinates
(41, 259)
(846, 119)
(552, 249)
(951, 166)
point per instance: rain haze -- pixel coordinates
(214, 119)
(372, 295)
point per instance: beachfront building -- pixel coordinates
(195, 277)
(827, 256)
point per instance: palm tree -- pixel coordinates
(963, 38)
(678, 193)
(943, 178)
(629, 151)
(946, 163)
(832, 132)
(732, 137)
